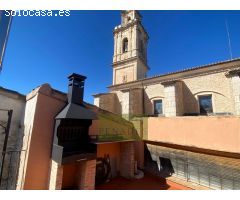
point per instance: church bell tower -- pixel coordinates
(130, 49)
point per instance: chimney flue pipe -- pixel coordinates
(76, 88)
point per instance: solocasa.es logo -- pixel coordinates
(5, 23)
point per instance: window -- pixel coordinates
(125, 45)
(157, 107)
(205, 104)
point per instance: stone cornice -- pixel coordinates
(124, 27)
(129, 60)
(233, 72)
(170, 82)
(101, 94)
(120, 28)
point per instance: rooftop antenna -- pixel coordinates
(229, 40)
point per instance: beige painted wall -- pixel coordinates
(207, 132)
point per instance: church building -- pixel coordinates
(181, 127)
(189, 117)
(212, 89)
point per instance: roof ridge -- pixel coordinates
(12, 91)
(193, 68)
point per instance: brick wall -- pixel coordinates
(86, 175)
(127, 159)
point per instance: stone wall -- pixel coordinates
(136, 101)
(224, 93)
(179, 98)
(125, 103)
(170, 105)
(235, 83)
(125, 73)
(217, 84)
(151, 93)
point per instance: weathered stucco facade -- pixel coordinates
(11, 100)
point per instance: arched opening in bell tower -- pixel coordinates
(125, 45)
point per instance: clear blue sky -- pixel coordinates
(48, 49)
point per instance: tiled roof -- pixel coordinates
(194, 68)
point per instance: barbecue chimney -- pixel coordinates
(76, 88)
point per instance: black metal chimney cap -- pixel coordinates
(76, 76)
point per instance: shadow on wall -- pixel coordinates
(111, 127)
(190, 102)
(118, 106)
(159, 166)
(148, 106)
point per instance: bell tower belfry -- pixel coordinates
(130, 49)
